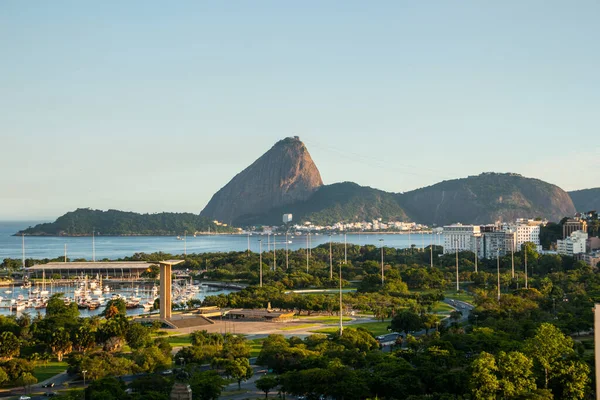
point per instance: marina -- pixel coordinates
(91, 295)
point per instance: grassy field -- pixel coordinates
(324, 319)
(255, 346)
(441, 307)
(464, 296)
(43, 372)
(376, 328)
(179, 340)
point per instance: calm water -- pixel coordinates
(112, 247)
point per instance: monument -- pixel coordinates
(181, 391)
(165, 288)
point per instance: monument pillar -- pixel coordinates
(181, 391)
(165, 288)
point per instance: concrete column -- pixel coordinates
(165, 291)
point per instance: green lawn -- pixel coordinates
(43, 372)
(376, 328)
(441, 307)
(255, 347)
(179, 340)
(325, 319)
(464, 296)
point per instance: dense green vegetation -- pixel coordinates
(523, 346)
(344, 201)
(83, 221)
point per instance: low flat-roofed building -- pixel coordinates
(260, 315)
(110, 269)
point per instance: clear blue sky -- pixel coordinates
(153, 106)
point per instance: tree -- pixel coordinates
(138, 336)
(266, 383)
(516, 376)
(61, 343)
(3, 376)
(239, 369)
(406, 321)
(569, 379)
(150, 359)
(56, 307)
(10, 346)
(114, 307)
(484, 383)
(27, 379)
(207, 385)
(547, 347)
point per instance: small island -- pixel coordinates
(84, 221)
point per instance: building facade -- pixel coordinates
(573, 225)
(460, 237)
(574, 244)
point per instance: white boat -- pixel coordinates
(106, 289)
(8, 291)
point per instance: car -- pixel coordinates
(167, 372)
(48, 385)
(24, 398)
(51, 394)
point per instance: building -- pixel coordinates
(574, 244)
(573, 225)
(108, 270)
(593, 244)
(591, 259)
(527, 231)
(490, 244)
(287, 218)
(460, 237)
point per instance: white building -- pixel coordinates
(527, 231)
(492, 244)
(574, 244)
(460, 237)
(287, 218)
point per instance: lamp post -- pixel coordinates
(498, 263)
(330, 259)
(307, 252)
(260, 260)
(185, 243)
(345, 249)
(457, 284)
(287, 257)
(381, 240)
(84, 372)
(341, 320)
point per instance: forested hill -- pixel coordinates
(83, 221)
(344, 201)
(586, 199)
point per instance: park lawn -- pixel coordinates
(325, 319)
(376, 328)
(441, 307)
(43, 372)
(180, 340)
(462, 296)
(294, 327)
(255, 347)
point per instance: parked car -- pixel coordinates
(24, 398)
(48, 385)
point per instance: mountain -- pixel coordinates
(486, 198)
(586, 199)
(329, 204)
(83, 221)
(284, 175)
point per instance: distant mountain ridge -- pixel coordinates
(255, 196)
(487, 198)
(284, 175)
(83, 221)
(586, 199)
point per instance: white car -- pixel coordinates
(24, 398)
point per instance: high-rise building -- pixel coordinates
(573, 225)
(494, 243)
(574, 244)
(460, 237)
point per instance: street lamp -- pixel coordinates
(84, 372)
(330, 259)
(260, 260)
(381, 240)
(341, 318)
(182, 361)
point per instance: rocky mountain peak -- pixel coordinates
(283, 175)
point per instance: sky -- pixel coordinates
(153, 106)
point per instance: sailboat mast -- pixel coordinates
(93, 244)
(23, 246)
